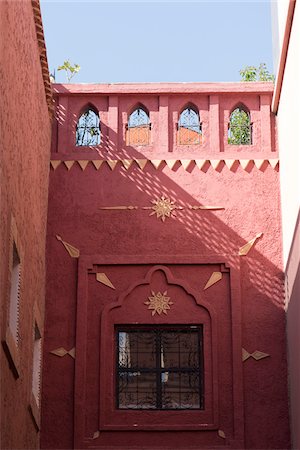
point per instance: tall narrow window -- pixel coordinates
(37, 361)
(14, 302)
(160, 368)
(88, 129)
(189, 127)
(240, 127)
(138, 128)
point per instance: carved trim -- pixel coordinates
(215, 164)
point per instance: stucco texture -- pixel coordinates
(24, 170)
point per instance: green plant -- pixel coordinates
(260, 73)
(70, 69)
(239, 132)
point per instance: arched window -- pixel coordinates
(189, 127)
(88, 129)
(240, 127)
(138, 127)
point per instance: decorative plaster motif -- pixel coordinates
(221, 434)
(257, 355)
(185, 163)
(61, 351)
(96, 434)
(55, 163)
(214, 278)
(163, 207)
(83, 164)
(243, 251)
(102, 278)
(159, 303)
(68, 164)
(73, 251)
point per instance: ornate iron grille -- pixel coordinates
(138, 128)
(189, 128)
(88, 129)
(240, 128)
(160, 368)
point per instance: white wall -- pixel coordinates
(288, 124)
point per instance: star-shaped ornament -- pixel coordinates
(159, 303)
(163, 207)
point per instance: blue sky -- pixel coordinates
(157, 41)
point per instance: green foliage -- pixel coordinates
(260, 73)
(71, 70)
(239, 132)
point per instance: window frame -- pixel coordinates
(12, 341)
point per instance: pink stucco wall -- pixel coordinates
(25, 148)
(253, 409)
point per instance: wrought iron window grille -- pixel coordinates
(189, 127)
(138, 128)
(159, 368)
(88, 129)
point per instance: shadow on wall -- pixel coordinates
(251, 206)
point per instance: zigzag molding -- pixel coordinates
(202, 164)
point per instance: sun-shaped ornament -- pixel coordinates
(159, 303)
(163, 207)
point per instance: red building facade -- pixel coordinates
(165, 324)
(25, 136)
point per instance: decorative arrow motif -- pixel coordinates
(61, 351)
(73, 251)
(221, 434)
(102, 278)
(214, 278)
(243, 251)
(163, 207)
(257, 355)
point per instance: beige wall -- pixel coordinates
(288, 124)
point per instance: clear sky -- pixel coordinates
(158, 40)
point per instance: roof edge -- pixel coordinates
(164, 88)
(43, 54)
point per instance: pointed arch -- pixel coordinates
(240, 126)
(88, 127)
(138, 126)
(189, 126)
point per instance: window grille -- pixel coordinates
(138, 128)
(14, 302)
(159, 368)
(189, 128)
(88, 129)
(37, 362)
(240, 128)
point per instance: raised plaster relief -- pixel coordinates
(73, 251)
(61, 351)
(257, 355)
(243, 251)
(159, 303)
(214, 278)
(102, 278)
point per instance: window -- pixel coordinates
(88, 129)
(14, 301)
(138, 128)
(37, 361)
(240, 127)
(189, 127)
(159, 368)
